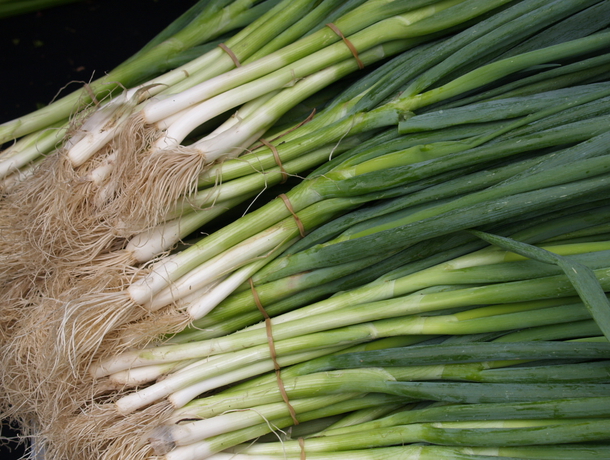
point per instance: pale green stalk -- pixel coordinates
(585, 408)
(252, 128)
(265, 245)
(217, 200)
(493, 71)
(566, 408)
(352, 22)
(30, 148)
(310, 378)
(548, 287)
(211, 405)
(366, 415)
(500, 433)
(304, 26)
(329, 185)
(234, 367)
(187, 433)
(223, 94)
(201, 29)
(447, 273)
(598, 451)
(350, 312)
(246, 42)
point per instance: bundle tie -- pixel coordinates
(278, 160)
(307, 120)
(276, 366)
(294, 214)
(349, 44)
(273, 149)
(302, 446)
(231, 54)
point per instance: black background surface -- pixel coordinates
(44, 51)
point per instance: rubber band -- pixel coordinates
(296, 218)
(276, 366)
(307, 120)
(231, 54)
(349, 44)
(278, 160)
(302, 446)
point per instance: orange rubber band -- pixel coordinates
(296, 218)
(231, 54)
(302, 446)
(307, 120)
(349, 44)
(276, 366)
(278, 160)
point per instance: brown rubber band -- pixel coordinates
(296, 218)
(278, 160)
(349, 44)
(307, 120)
(273, 353)
(231, 54)
(302, 446)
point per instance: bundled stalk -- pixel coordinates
(79, 231)
(330, 320)
(104, 240)
(429, 452)
(109, 240)
(215, 429)
(510, 317)
(128, 218)
(417, 167)
(286, 351)
(199, 25)
(328, 184)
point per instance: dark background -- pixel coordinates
(44, 51)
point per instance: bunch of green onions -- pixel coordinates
(510, 294)
(440, 268)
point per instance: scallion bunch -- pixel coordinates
(373, 228)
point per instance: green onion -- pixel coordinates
(406, 259)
